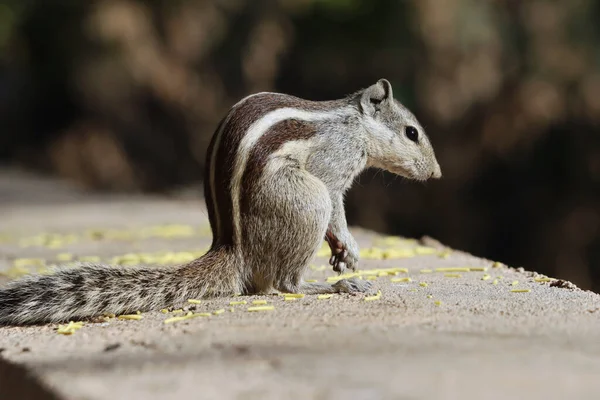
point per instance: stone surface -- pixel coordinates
(438, 336)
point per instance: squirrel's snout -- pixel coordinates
(437, 171)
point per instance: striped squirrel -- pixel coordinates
(277, 170)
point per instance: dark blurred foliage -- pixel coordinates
(125, 94)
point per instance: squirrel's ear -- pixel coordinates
(376, 94)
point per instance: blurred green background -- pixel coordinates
(124, 95)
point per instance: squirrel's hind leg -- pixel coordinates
(287, 227)
(284, 225)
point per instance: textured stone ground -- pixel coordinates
(466, 335)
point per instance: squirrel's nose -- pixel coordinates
(437, 172)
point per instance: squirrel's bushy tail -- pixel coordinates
(92, 290)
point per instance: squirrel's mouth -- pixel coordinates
(409, 171)
(416, 170)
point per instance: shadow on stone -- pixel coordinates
(17, 383)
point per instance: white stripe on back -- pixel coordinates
(254, 133)
(213, 161)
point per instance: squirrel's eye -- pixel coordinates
(412, 133)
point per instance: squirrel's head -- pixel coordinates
(396, 141)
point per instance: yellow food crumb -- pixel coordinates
(453, 269)
(426, 271)
(16, 272)
(70, 328)
(437, 303)
(486, 277)
(109, 315)
(178, 311)
(167, 231)
(186, 317)
(373, 253)
(371, 278)
(324, 251)
(520, 290)
(194, 301)
(429, 296)
(52, 241)
(310, 280)
(231, 309)
(64, 257)
(164, 311)
(46, 271)
(390, 241)
(294, 295)
(324, 296)
(543, 279)
(290, 299)
(400, 280)
(261, 308)
(218, 312)
(391, 254)
(342, 276)
(55, 244)
(497, 264)
(257, 302)
(65, 331)
(131, 316)
(423, 284)
(514, 283)
(235, 303)
(478, 269)
(495, 282)
(24, 262)
(423, 250)
(174, 319)
(375, 297)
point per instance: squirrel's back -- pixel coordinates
(232, 143)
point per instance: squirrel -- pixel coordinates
(277, 169)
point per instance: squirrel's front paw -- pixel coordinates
(343, 261)
(344, 255)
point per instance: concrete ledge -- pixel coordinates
(438, 336)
